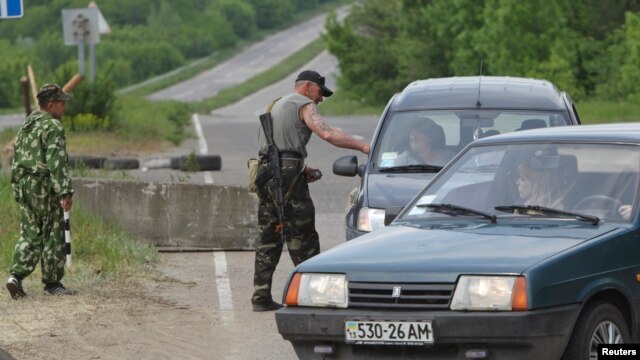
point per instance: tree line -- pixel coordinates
(149, 37)
(590, 48)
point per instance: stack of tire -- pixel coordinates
(205, 163)
(97, 162)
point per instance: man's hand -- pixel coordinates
(66, 202)
(625, 211)
(312, 174)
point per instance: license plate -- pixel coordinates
(388, 332)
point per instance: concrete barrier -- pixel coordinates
(178, 216)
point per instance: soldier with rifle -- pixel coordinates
(286, 213)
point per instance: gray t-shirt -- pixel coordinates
(290, 133)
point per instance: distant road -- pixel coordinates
(248, 63)
(12, 120)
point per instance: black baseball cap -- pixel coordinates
(311, 75)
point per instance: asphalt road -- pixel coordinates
(250, 62)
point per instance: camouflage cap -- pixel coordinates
(52, 92)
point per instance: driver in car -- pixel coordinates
(427, 142)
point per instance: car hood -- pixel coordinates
(394, 190)
(442, 252)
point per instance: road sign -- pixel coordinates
(80, 26)
(11, 9)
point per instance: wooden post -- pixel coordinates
(25, 95)
(75, 80)
(34, 88)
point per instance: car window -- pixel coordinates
(434, 137)
(557, 176)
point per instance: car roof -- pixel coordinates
(616, 132)
(491, 92)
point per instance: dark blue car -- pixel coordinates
(526, 246)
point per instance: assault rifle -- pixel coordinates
(273, 158)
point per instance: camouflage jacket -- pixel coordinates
(40, 150)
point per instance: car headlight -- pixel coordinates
(313, 289)
(505, 293)
(370, 219)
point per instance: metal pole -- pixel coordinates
(92, 62)
(81, 55)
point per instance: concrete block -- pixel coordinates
(180, 216)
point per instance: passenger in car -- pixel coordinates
(537, 186)
(427, 142)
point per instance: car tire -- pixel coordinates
(89, 162)
(596, 318)
(205, 162)
(121, 164)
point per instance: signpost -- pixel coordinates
(11, 9)
(84, 26)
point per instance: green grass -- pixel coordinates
(338, 105)
(100, 250)
(598, 111)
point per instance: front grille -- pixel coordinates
(434, 296)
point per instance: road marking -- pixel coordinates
(223, 285)
(202, 143)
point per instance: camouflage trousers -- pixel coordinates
(41, 232)
(300, 230)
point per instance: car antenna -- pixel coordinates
(478, 103)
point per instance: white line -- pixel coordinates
(222, 281)
(3, 7)
(223, 284)
(202, 142)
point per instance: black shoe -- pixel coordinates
(58, 289)
(14, 285)
(266, 307)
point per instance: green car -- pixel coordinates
(525, 246)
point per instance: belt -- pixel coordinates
(286, 162)
(286, 154)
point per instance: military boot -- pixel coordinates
(14, 285)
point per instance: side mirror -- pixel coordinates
(346, 166)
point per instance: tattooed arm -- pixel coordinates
(332, 135)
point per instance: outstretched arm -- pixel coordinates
(330, 134)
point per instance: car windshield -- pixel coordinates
(434, 137)
(568, 181)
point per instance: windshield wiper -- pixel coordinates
(455, 210)
(541, 210)
(413, 168)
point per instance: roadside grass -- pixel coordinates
(599, 111)
(337, 105)
(101, 251)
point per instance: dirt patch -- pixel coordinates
(136, 319)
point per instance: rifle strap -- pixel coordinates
(292, 185)
(272, 103)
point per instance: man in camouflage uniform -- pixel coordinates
(42, 187)
(295, 118)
